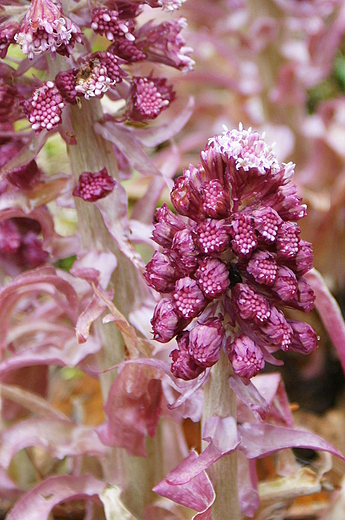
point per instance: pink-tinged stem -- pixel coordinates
(92, 153)
(220, 400)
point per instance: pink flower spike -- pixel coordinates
(246, 357)
(94, 186)
(44, 108)
(46, 28)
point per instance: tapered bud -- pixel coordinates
(245, 356)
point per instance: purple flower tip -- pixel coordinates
(94, 186)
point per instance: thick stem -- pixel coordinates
(220, 400)
(92, 153)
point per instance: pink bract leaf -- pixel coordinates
(114, 212)
(133, 343)
(168, 162)
(197, 494)
(48, 353)
(329, 312)
(133, 409)
(31, 283)
(271, 388)
(247, 485)
(61, 438)
(250, 396)
(223, 439)
(93, 311)
(95, 267)
(185, 388)
(155, 135)
(124, 139)
(40, 500)
(258, 440)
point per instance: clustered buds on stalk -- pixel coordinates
(44, 28)
(232, 259)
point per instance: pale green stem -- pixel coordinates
(92, 153)
(220, 400)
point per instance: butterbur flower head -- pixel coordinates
(166, 321)
(65, 82)
(163, 43)
(213, 277)
(93, 78)
(94, 186)
(304, 338)
(148, 97)
(205, 342)
(106, 22)
(189, 298)
(246, 357)
(247, 150)
(46, 28)
(166, 226)
(183, 364)
(97, 75)
(161, 273)
(236, 224)
(44, 108)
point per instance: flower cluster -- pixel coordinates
(232, 259)
(94, 186)
(46, 28)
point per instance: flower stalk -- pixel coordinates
(92, 153)
(220, 400)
